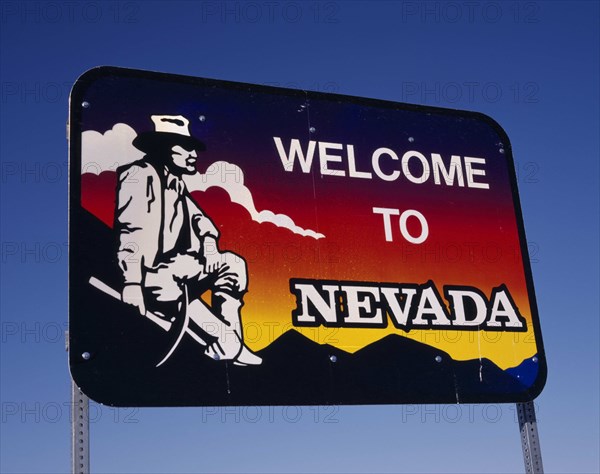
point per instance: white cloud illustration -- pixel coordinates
(113, 148)
(230, 177)
(109, 150)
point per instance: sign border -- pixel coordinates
(77, 98)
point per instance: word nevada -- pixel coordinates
(408, 306)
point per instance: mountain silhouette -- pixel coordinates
(392, 370)
(527, 371)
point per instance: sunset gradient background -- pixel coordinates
(473, 233)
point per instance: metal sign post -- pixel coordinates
(80, 431)
(80, 427)
(530, 441)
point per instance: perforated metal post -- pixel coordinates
(530, 441)
(80, 428)
(80, 434)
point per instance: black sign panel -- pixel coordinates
(235, 244)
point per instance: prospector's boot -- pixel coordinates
(221, 340)
(229, 309)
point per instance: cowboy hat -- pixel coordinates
(170, 130)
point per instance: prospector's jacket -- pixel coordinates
(140, 215)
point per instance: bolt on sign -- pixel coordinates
(235, 244)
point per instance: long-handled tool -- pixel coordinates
(213, 347)
(103, 287)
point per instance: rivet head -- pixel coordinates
(411, 139)
(216, 356)
(312, 129)
(86, 356)
(85, 104)
(333, 358)
(438, 359)
(202, 118)
(501, 150)
(535, 359)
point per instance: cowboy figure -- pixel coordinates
(168, 248)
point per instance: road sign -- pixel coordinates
(235, 244)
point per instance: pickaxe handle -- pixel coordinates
(103, 287)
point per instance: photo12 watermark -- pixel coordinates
(471, 12)
(473, 252)
(34, 92)
(33, 332)
(28, 172)
(36, 252)
(69, 12)
(470, 92)
(269, 12)
(325, 414)
(53, 412)
(461, 413)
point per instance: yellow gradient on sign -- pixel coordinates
(265, 321)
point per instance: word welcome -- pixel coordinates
(337, 159)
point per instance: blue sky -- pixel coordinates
(532, 66)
